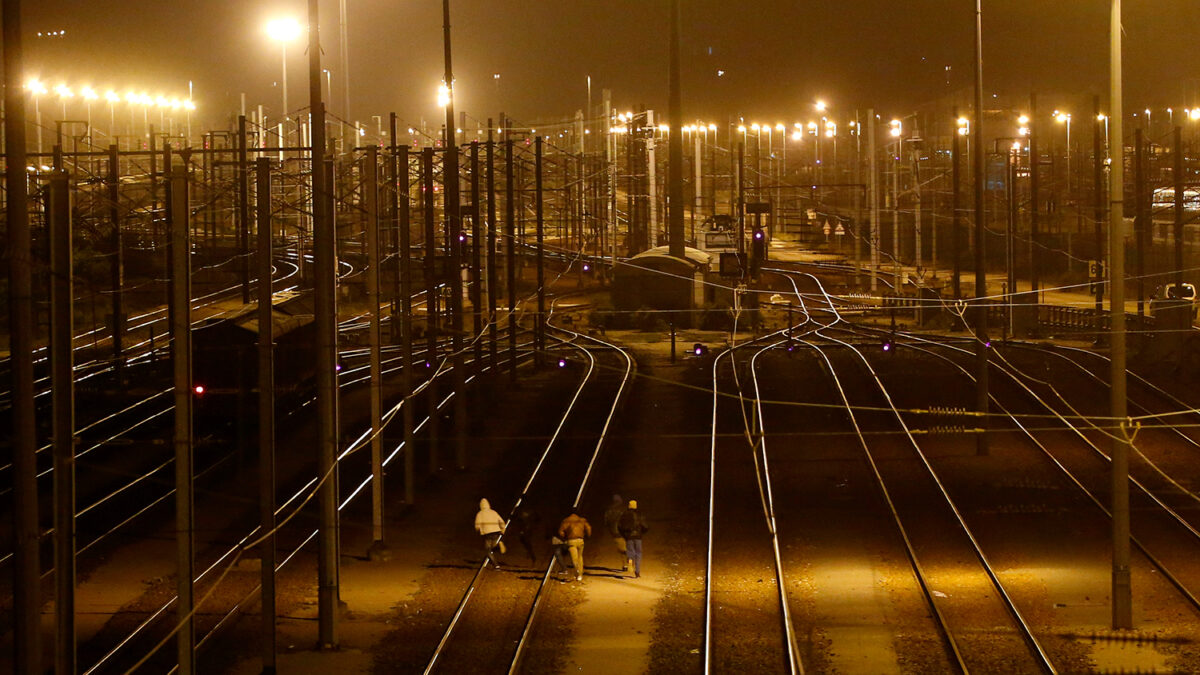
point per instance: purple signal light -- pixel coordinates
(587, 267)
(461, 237)
(338, 368)
(887, 346)
(988, 344)
(428, 364)
(758, 234)
(562, 363)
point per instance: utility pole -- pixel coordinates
(113, 185)
(490, 158)
(243, 169)
(63, 424)
(431, 303)
(325, 301)
(476, 262)
(26, 580)
(371, 204)
(266, 415)
(982, 343)
(1098, 212)
(401, 211)
(1122, 590)
(741, 196)
(1035, 162)
(454, 230)
(510, 250)
(955, 215)
(675, 232)
(1139, 214)
(1178, 179)
(539, 326)
(874, 201)
(181, 359)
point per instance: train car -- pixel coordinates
(225, 359)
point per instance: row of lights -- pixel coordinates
(798, 128)
(89, 94)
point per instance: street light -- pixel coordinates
(37, 89)
(1065, 118)
(284, 31)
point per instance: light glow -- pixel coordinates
(284, 30)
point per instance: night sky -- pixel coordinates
(777, 56)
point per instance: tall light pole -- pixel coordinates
(1065, 118)
(37, 88)
(982, 342)
(325, 299)
(283, 31)
(344, 49)
(674, 142)
(1122, 592)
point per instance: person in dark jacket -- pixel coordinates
(612, 522)
(573, 530)
(632, 527)
(525, 524)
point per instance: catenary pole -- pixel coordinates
(26, 571)
(1098, 212)
(325, 301)
(371, 204)
(955, 205)
(538, 328)
(400, 171)
(1035, 170)
(981, 293)
(675, 232)
(266, 414)
(62, 396)
(510, 250)
(490, 158)
(453, 217)
(181, 360)
(1122, 592)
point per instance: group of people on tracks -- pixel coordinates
(622, 520)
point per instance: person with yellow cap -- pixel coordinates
(632, 527)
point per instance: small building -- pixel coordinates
(658, 280)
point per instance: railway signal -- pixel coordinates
(758, 250)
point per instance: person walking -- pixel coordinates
(490, 526)
(573, 530)
(612, 522)
(559, 548)
(525, 524)
(632, 527)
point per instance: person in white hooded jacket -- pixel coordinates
(489, 525)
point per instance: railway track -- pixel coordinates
(973, 630)
(474, 636)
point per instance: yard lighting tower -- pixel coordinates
(283, 31)
(1065, 118)
(1122, 594)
